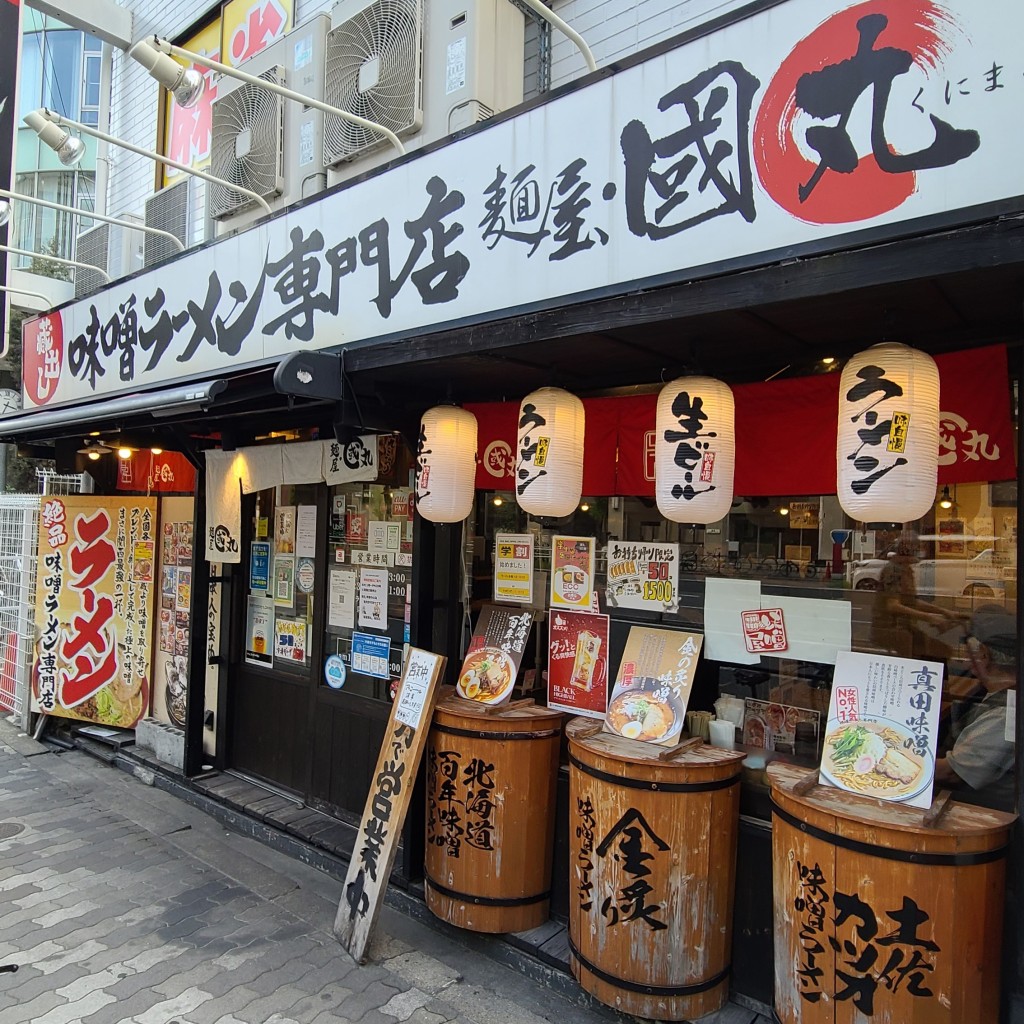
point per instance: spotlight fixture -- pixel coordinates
(185, 84)
(69, 149)
(946, 501)
(585, 507)
(497, 500)
(124, 453)
(784, 511)
(828, 360)
(157, 451)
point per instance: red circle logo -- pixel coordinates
(855, 52)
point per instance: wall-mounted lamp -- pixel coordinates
(69, 150)
(946, 501)
(185, 84)
(154, 54)
(783, 511)
(46, 124)
(585, 507)
(498, 500)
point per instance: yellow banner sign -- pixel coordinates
(94, 609)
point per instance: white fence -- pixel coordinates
(19, 526)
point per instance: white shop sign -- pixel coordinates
(675, 167)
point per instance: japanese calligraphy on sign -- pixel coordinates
(745, 141)
(867, 951)
(94, 609)
(460, 802)
(653, 684)
(643, 576)
(882, 730)
(387, 803)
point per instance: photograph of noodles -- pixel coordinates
(488, 675)
(640, 714)
(872, 758)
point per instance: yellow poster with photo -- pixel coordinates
(94, 609)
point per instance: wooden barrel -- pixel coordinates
(879, 916)
(491, 777)
(652, 864)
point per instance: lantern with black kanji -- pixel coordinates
(549, 453)
(695, 450)
(446, 464)
(887, 457)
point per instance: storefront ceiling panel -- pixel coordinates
(700, 167)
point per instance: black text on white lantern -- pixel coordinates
(446, 464)
(549, 453)
(887, 456)
(695, 450)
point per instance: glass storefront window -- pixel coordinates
(369, 576)
(282, 578)
(943, 589)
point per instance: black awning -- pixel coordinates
(176, 401)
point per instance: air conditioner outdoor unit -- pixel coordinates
(117, 250)
(264, 142)
(423, 68)
(177, 208)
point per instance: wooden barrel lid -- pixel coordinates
(518, 716)
(888, 824)
(618, 755)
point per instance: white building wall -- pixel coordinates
(613, 28)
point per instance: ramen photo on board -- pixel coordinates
(882, 727)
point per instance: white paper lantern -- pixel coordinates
(887, 457)
(446, 464)
(549, 453)
(695, 450)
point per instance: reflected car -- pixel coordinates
(979, 576)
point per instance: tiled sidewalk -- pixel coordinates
(119, 902)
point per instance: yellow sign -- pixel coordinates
(245, 28)
(543, 444)
(94, 609)
(249, 26)
(898, 432)
(187, 132)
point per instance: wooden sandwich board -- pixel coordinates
(388, 801)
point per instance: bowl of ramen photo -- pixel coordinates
(488, 675)
(873, 758)
(640, 714)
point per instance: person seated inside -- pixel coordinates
(979, 765)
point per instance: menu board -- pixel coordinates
(653, 684)
(578, 663)
(882, 727)
(643, 576)
(572, 573)
(495, 653)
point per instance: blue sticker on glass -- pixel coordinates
(335, 672)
